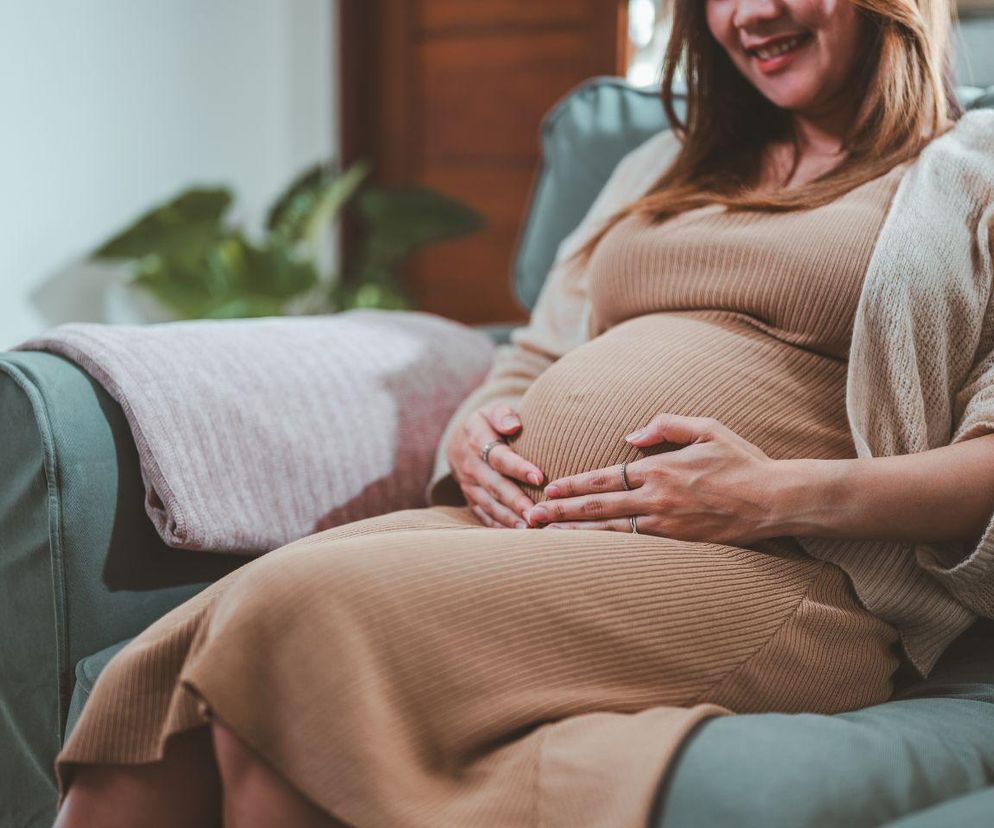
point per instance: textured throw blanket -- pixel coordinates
(253, 433)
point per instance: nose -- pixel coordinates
(749, 13)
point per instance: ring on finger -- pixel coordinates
(635, 526)
(485, 451)
(624, 477)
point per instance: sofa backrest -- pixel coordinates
(583, 137)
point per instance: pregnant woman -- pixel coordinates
(665, 503)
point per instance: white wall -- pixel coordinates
(107, 106)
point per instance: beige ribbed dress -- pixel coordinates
(419, 669)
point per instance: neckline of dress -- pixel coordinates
(715, 208)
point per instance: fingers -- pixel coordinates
(485, 518)
(492, 486)
(586, 507)
(498, 496)
(607, 479)
(489, 486)
(503, 459)
(675, 428)
(502, 418)
(623, 525)
(508, 462)
(484, 504)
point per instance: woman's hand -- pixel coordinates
(715, 488)
(489, 487)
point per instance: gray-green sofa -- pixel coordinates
(82, 571)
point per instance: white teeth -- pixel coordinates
(779, 48)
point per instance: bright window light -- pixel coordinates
(641, 22)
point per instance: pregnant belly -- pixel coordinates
(788, 401)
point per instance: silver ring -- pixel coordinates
(485, 451)
(624, 477)
(635, 526)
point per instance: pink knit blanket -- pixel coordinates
(253, 433)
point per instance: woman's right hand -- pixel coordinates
(489, 487)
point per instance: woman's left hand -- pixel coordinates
(715, 487)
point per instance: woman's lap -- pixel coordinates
(421, 638)
(585, 620)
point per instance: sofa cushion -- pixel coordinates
(932, 741)
(87, 672)
(583, 138)
(973, 809)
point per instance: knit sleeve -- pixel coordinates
(969, 573)
(560, 320)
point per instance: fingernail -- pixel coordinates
(521, 525)
(552, 491)
(636, 435)
(509, 421)
(539, 516)
(533, 478)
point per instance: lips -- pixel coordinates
(774, 47)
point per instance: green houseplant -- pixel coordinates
(196, 264)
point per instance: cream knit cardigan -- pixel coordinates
(920, 375)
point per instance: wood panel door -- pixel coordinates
(451, 94)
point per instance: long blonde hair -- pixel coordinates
(904, 84)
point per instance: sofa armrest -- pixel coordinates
(81, 566)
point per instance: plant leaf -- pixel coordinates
(312, 200)
(369, 295)
(275, 271)
(232, 277)
(244, 307)
(183, 227)
(173, 284)
(402, 219)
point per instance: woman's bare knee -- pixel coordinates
(255, 794)
(146, 795)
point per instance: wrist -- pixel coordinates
(808, 496)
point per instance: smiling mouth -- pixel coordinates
(781, 47)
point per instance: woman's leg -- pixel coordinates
(201, 768)
(255, 796)
(183, 789)
(142, 793)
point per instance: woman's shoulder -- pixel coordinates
(651, 158)
(637, 170)
(968, 144)
(975, 124)
(957, 168)
(666, 142)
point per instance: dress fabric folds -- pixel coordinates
(419, 669)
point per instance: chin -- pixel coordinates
(797, 97)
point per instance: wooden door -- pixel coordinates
(450, 94)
